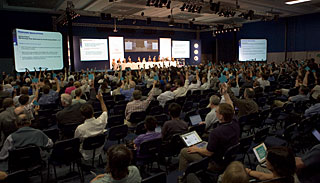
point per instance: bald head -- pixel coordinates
(249, 93)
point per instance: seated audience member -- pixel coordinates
(181, 88)
(309, 159)
(247, 105)
(118, 167)
(3, 93)
(7, 119)
(235, 87)
(77, 85)
(137, 105)
(264, 81)
(302, 96)
(165, 96)
(117, 90)
(315, 92)
(23, 91)
(49, 96)
(78, 100)
(24, 136)
(26, 107)
(70, 113)
(70, 86)
(92, 126)
(104, 88)
(281, 166)
(150, 124)
(248, 82)
(127, 88)
(258, 90)
(175, 125)
(156, 90)
(314, 109)
(211, 118)
(220, 139)
(195, 82)
(234, 173)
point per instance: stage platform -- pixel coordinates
(139, 65)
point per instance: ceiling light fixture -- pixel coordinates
(296, 2)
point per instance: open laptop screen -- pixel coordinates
(261, 152)
(191, 138)
(196, 119)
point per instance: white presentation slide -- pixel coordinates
(253, 50)
(165, 48)
(116, 48)
(93, 49)
(37, 49)
(181, 49)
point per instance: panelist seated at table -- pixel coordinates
(124, 60)
(139, 60)
(144, 59)
(154, 59)
(149, 59)
(119, 61)
(129, 59)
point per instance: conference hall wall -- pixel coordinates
(43, 22)
(103, 32)
(12, 20)
(302, 39)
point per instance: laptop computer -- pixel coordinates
(158, 129)
(260, 152)
(195, 120)
(192, 138)
(316, 134)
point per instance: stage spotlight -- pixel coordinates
(234, 30)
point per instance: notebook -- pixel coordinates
(192, 138)
(316, 134)
(195, 120)
(260, 152)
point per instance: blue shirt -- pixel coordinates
(315, 109)
(127, 93)
(49, 98)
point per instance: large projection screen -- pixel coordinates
(165, 48)
(93, 49)
(181, 49)
(252, 50)
(141, 45)
(116, 48)
(37, 49)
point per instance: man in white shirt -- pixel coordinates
(166, 96)
(92, 126)
(195, 83)
(211, 117)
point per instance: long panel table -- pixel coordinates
(139, 65)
